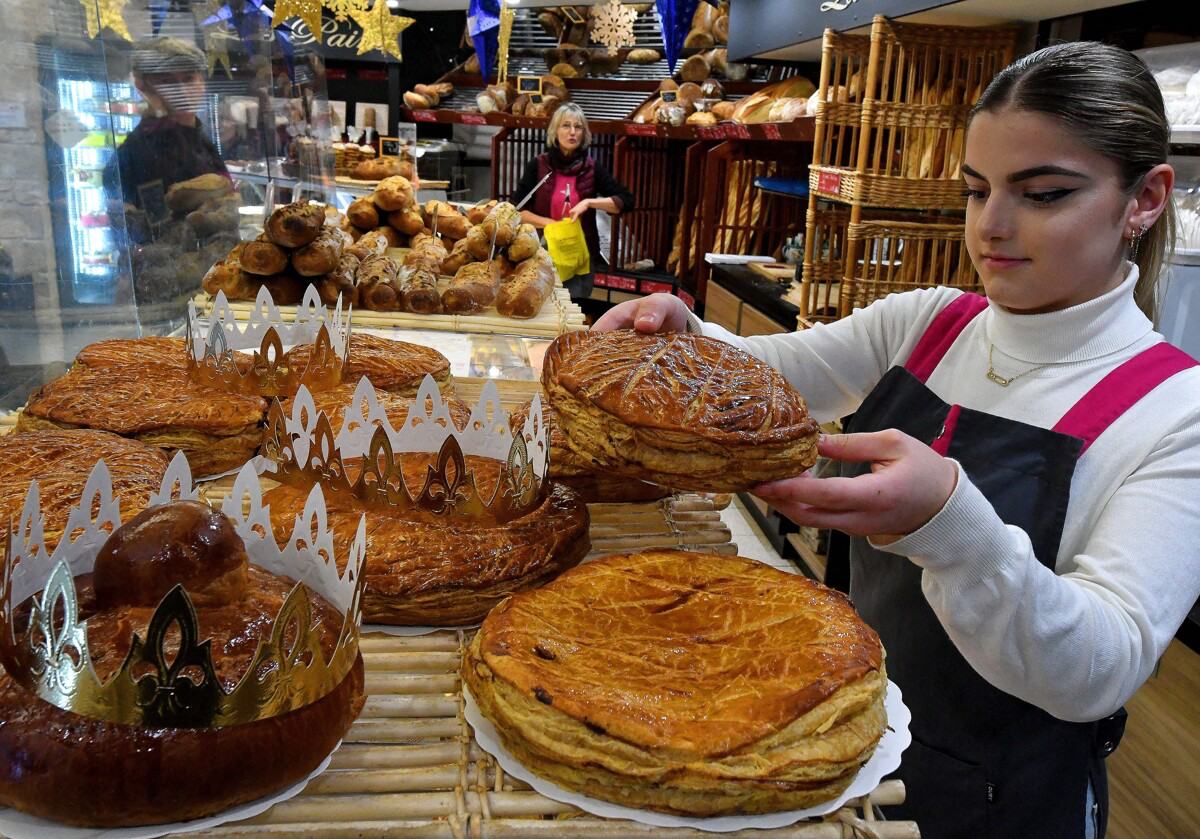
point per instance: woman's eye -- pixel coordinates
(974, 194)
(1049, 196)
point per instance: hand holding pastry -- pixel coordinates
(654, 313)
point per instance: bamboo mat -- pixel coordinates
(557, 316)
(410, 767)
(9, 421)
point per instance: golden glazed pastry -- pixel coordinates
(158, 405)
(389, 365)
(124, 352)
(62, 461)
(334, 402)
(686, 683)
(429, 572)
(90, 772)
(680, 410)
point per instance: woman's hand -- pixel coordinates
(655, 313)
(909, 484)
(581, 208)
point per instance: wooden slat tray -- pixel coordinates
(558, 315)
(410, 767)
(346, 179)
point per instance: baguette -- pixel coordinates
(451, 224)
(416, 101)
(321, 255)
(501, 224)
(479, 212)
(427, 253)
(524, 294)
(395, 239)
(472, 289)
(363, 213)
(340, 281)
(295, 225)
(394, 193)
(418, 290)
(371, 244)
(504, 265)
(479, 244)
(378, 284)
(263, 258)
(525, 244)
(285, 289)
(459, 256)
(408, 221)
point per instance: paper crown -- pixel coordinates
(44, 645)
(305, 450)
(213, 352)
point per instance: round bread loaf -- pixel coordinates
(684, 411)
(89, 772)
(687, 683)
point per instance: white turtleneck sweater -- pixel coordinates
(1080, 640)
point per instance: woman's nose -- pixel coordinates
(994, 219)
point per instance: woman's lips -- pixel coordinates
(999, 263)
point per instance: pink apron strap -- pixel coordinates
(1120, 390)
(942, 333)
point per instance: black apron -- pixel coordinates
(982, 762)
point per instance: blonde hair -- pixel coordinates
(1108, 98)
(564, 111)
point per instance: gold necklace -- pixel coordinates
(1000, 380)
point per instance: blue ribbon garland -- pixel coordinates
(247, 21)
(676, 21)
(483, 25)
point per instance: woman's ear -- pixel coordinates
(1150, 200)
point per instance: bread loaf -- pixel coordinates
(644, 56)
(321, 255)
(504, 266)
(363, 213)
(394, 193)
(479, 244)
(458, 257)
(378, 284)
(416, 101)
(418, 290)
(370, 244)
(501, 224)
(702, 118)
(427, 253)
(263, 258)
(395, 239)
(377, 169)
(524, 294)
(479, 212)
(723, 110)
(688, 95)
(520, 104)
(340, 281)
(720, 29)
(408, 221)
(472, 289)
(295, 225)
(524, 244)
(786, 110)
(450, 223)
(695, 69)
(285, 289)
(429, 93)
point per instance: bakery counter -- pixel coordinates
(747, 303)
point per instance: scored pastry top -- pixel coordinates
(390, 365)
(698, 654)
(678, 381)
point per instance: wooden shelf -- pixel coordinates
(814, 563)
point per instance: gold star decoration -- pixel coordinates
(380, 29)
(106, 14)
(614, 25)
(342, 8)
(216, 48)
(308, 11)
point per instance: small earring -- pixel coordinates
(1135, 241)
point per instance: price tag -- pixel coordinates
(389, 146)
(771, 130)
(623, 283)
(829, 182)
(638, 129)
(535, 98)
(688, 300)
(474, 119)
(652, 287)
(670, 96)
(709, 132)
(529, 84)
(741, 132)
(424, 116)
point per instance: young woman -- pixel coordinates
(577, 185)
(1021, 474)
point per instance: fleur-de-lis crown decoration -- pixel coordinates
(365, 458)
(168, 678)
(249, 358)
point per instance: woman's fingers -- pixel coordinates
(656, 313)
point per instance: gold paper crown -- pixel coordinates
(213, 354)
(305, 450)
(44, 645)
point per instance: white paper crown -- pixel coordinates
(49, 655)
(305, 446)
(211, 349)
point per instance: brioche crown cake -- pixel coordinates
(681, 410)
(687, 683)
(174, 668)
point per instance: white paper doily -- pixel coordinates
(885, 761)
(17, 825)
(410, 631)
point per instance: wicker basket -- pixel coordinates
(887, 256)
(920, 82)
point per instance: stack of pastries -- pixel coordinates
(680, 410)
(91, 772)
(140, 389)
(687, 683)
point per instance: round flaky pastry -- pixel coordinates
(397, 366)
(686, 683)
(680, 410)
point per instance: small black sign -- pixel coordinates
(389, 146)
(670, 96)
(529, 84)
(535, 99)
(572, 14)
